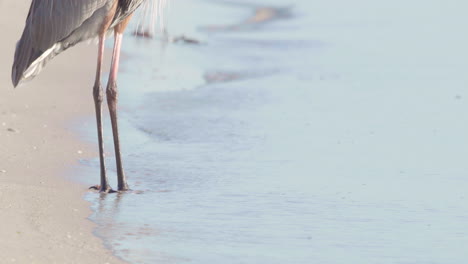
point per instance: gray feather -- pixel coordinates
(53, 26)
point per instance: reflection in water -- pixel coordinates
(108, 210)
(107, 207)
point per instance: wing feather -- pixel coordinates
(51, 27)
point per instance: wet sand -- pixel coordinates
(43, 216)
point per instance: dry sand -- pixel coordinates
(43, 216)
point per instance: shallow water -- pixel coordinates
(331, 133)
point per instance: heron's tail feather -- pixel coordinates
(29, 61)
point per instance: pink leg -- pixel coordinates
(98, 97)
(112, 95)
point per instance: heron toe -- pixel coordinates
(106, 189)
(124, 188)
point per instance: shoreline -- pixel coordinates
(44, 216)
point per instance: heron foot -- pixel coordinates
(107, 189)
(124, 189)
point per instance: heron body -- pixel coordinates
(52, 26)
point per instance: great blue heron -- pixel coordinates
(53, 26)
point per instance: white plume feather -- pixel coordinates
(153, 14)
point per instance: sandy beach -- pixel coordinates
(43, 215)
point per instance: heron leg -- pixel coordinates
(98, 97)
(112, 96)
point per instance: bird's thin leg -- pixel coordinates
(98, 97)
(112, 95)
